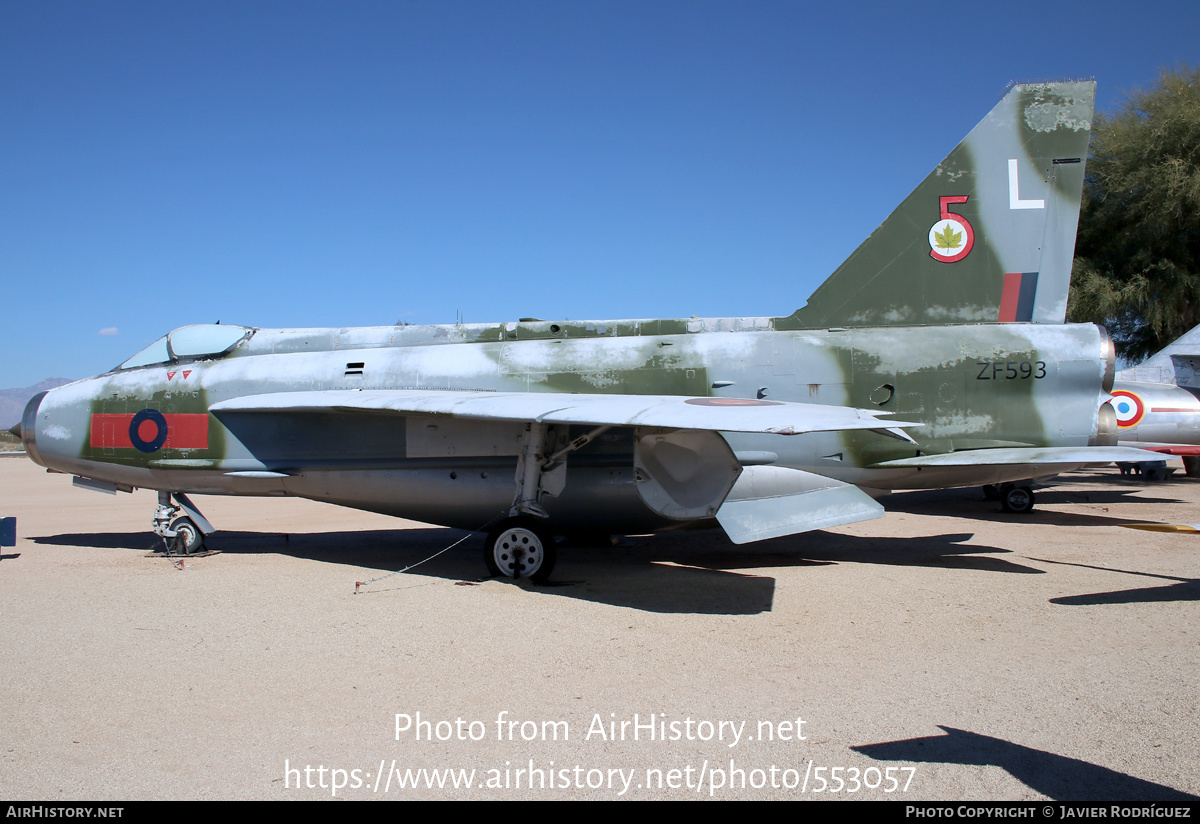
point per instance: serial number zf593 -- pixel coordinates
(1010, 370)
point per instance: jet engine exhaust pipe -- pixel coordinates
(1107, 427)
(1108, 352)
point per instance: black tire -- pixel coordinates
(1017, 500)
(1154, 471)
(520, 547)
(188, 539)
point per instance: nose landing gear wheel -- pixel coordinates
(520, 546)
(187, 540)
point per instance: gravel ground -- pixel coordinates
(944, 652)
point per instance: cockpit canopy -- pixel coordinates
(200, 342)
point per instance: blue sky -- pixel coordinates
(360, 163)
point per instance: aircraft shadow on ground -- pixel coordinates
(1055, 776)
(697, 571)
(1184, 589)
(1109, 477)
(970, 504)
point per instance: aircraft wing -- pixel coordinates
(667, 411)
(1186, 529)
(686, 473)
(1033, 455)
(1179, 449)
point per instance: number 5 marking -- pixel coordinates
(944, 206)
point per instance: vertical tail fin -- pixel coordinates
(1177, 363)
(988, 236)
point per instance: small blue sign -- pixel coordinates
(8, 531)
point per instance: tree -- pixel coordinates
(1137, 256)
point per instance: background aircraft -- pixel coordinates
(1157, 402)
(935, 356)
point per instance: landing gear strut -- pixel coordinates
(183, 535)
(521, 544)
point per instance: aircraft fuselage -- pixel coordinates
(981, 386)
(1159, 416)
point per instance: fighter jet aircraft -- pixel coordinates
(935, 356)
(1157, 402)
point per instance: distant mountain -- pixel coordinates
(12, 401)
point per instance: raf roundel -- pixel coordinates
(148, 430)
(1129, 408)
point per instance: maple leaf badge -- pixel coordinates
(948, 239)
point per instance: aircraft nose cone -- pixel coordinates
(15, 431)
(27, 428)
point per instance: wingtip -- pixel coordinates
(1187, 529)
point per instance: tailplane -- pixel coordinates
(987, 237)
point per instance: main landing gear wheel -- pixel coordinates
(1016, 499)
(520, 546)
(188, 540)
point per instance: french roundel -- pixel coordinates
(148, 430)
(1129, 408)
